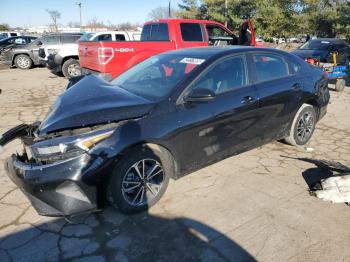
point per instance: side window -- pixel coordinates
(155, 32)
(269, 66)
(227, 75)
(119, 37)
(216, 31)
(67, 39)
(50, 39)
(191, 32)
(13, 34)
(20, 41)
(104, 37)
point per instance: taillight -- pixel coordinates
(105, 54)
(311, 61)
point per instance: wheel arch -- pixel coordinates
(313, 102)
(66, 58)
(17, 54)
(154, 145)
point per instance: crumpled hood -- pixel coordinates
(93, 101)
(305, 53)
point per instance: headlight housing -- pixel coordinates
(67, 147)
(52, 51)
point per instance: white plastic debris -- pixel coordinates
(335, 189)
(309, 149)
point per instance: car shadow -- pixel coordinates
(112, 236)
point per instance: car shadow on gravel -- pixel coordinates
(111, 236)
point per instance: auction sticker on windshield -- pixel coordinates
(194, 61)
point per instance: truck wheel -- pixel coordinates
(303, 126)
(140, 179)
(71, 68)
(23, 62)
(339, 85)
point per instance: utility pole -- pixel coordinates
(226, 13)
(79, 4)
(169, 10)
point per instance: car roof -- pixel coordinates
(208, 52)
(330, 40)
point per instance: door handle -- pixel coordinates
(296, 87)
(247, 100)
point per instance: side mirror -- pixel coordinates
(39, 43)
(199, 95)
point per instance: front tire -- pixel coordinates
(303, 126)
(140, 179)
(71, 68)
(23, 62)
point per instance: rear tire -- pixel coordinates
(340, 85)
(303, 126)
(71, 68)
(23, 62)
(130, 191)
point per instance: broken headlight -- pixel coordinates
(61, 148)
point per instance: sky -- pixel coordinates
(18, 13)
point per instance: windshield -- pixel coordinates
(316, 45)
(86, 37)
(157, 76)
(3, 36)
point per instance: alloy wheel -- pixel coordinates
(305, 126)
(142, 182)
(23, 62)
(74, 70)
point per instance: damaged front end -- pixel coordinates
(56, 171)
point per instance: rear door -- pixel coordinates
(279, 87)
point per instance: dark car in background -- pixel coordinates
(16, 40)
(24, 57)
(322, 49)
(169, 115)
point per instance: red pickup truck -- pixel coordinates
(110, 59)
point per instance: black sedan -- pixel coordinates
(168, 116)
(323, 48)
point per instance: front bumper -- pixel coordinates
(106, 76)
(54, 63)
(59, 189)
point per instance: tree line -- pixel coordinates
(275, 18)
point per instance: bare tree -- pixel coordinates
(54, 15)
(73, 24)
(161, 12)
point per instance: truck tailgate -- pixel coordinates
(114, 58)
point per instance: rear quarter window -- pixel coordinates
(191, 32)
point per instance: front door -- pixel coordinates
(224, 125)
